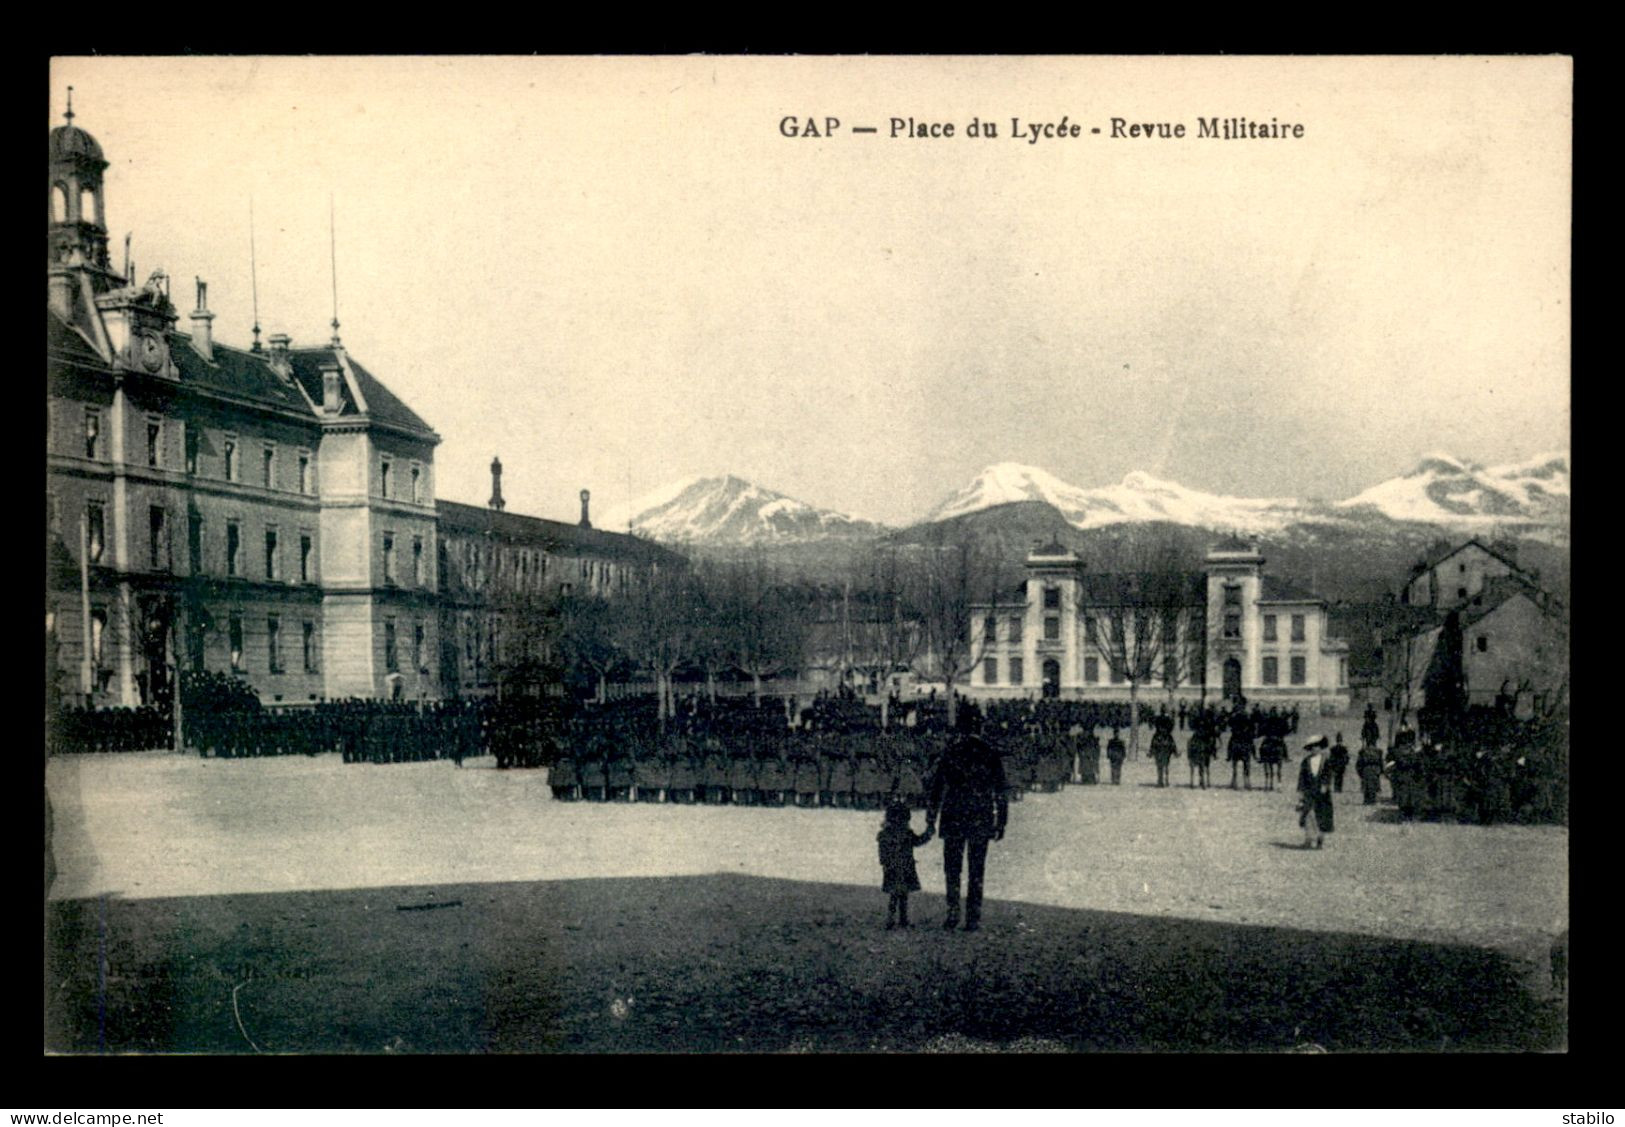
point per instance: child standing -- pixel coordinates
(899, 876)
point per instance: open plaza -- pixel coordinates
(302, 904)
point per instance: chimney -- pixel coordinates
(202, 336)
(279, 356)
(496, 502)
(585, 497)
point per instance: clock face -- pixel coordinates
(152, 353)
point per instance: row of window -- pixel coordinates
(387, 488)
(269, 474)
(310, 648)
(392, 660)
(160, 554)
(1017, 670)
(1298, 627)
(1052, 630)
(1270, 674)
(529, 567)
(231, 449)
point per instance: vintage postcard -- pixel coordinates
(780, 554)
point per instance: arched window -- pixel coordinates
(59, 203)
(87, 206)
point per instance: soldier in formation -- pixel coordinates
(1163, 748)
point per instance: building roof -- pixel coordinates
(235, 372)
(1498, 594)
(64, 342)
(1440, 555)
(551, 535)
(383, 404)
(1129, 588)
(69, 142)
(1274, 589)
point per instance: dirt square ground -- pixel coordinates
(300, 905)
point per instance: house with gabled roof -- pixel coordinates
(1508, 636)
(1452, 574)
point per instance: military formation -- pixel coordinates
(839, 752)
(834, 753)
(99, 730)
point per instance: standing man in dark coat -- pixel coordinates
(1116, 753)
(1163, 747)
(1369, 768)
(1369, 732)
(968, 795)
(1339, 762)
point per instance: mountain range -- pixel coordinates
(1528, 500)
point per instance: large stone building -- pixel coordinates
(499, 571)
(265, 511)
(1225, 630)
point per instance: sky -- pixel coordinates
(617, 272)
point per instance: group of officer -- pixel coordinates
(1486, 768)
(368, 731)
(109, 729)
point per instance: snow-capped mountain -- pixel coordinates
(1138, 497)
(1525, 499)
(729, 510)
(1446, 490)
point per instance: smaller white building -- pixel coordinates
(1227, 630)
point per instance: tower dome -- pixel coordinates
(76, 210)
(69, 143)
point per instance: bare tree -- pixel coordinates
(1136, 620)
(658, 627)
(883, 634)
(953, 577)
(590, 633)
(714, 616)
(768, 629)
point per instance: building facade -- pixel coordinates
(1453, 575)
(1475, 615)
(267, 512)
(501, 575)
(1227, 630)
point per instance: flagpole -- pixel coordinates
(84, 605)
